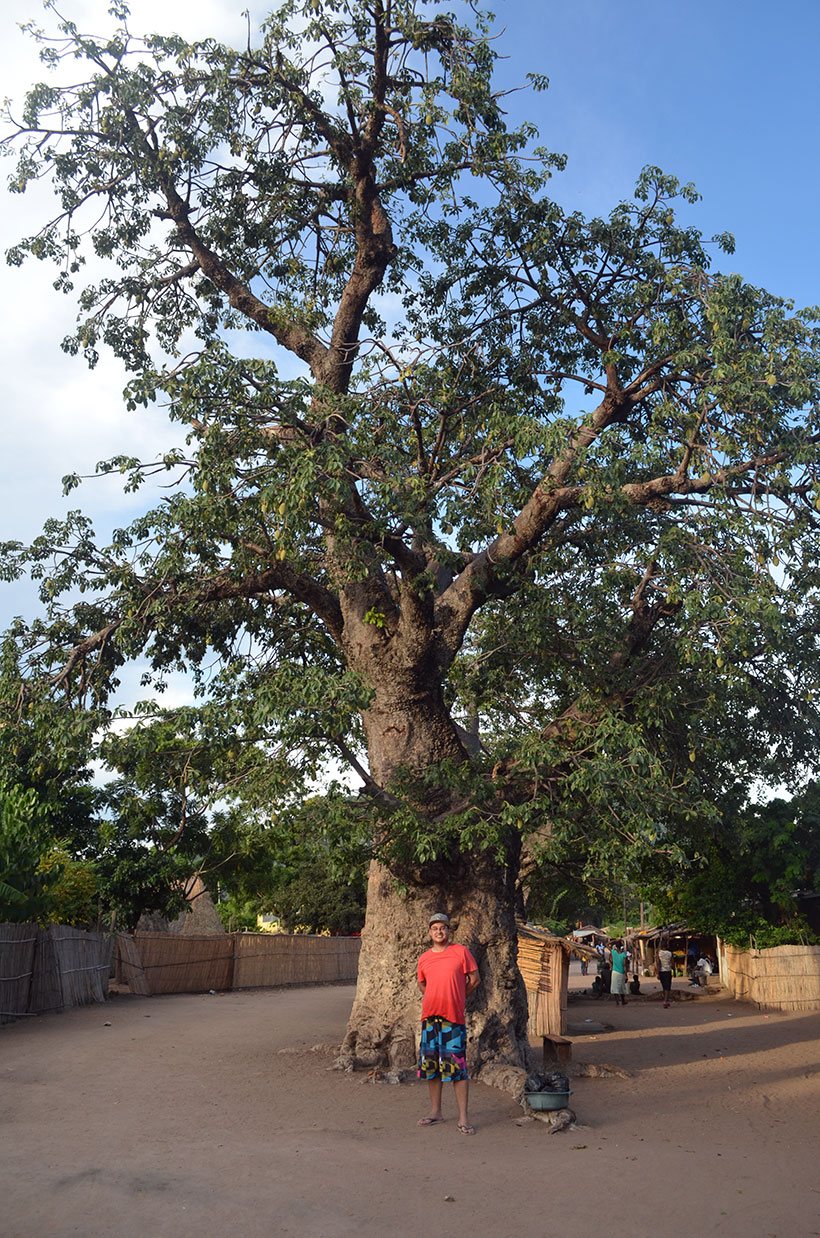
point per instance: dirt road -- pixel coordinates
(184, 1117)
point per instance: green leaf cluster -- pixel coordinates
(748, 872)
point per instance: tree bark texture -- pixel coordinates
(409, 728)
(385, 1020)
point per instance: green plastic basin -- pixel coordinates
(547, 1100)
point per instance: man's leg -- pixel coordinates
(435, 1115)
(462, 1090)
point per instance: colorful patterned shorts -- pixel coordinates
(443, 1050)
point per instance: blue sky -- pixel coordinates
(718, 92)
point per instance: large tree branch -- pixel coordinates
(621, 691)
(223, 587)
(289, 333)
(91, 644)
(645, 617)
(489, 573)
(371, 226)
(354, 151)
(279, 577)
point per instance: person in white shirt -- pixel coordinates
(664, 965)
(703, 969)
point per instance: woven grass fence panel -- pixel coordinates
(45, 970)
(84, 964)
(46, 987)
(270, 959)
(17, 946)
(71, 968)
(176, 964)
(129, 966)
(540, 961)
(783, 978)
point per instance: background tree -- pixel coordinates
(25, 875)
(511, 510)
(46, 748)
(307, 863)
(92, 855)
(749, 873)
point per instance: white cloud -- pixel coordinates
(58, 416)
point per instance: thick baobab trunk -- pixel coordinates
(385, 1019)
(477, 892)
(409, 728)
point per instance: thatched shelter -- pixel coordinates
(644, 944)
(543, 960)
(199, 919)
(589, 934)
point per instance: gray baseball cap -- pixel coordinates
(439, 918)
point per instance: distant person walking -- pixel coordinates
(600, 985)
(447, 974)
(703, 970)
(665, 964)
(617, 985)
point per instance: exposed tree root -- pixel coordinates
(595, 1070)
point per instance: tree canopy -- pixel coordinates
(511, 511)
(754, 868)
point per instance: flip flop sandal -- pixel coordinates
(429, 1121)
(466, 1130)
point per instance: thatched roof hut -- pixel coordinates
(645, 943)
(199, 919)
(589, 934)
(543, 960)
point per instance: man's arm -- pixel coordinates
(472, 982)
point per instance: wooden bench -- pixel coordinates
(557, 1049)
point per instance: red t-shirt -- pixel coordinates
(445, 972)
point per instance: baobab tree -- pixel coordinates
(513, 511)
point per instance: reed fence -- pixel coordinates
(782, 978)
(17, 946)
(50, 969)
(543, 961)
(153, 963)
(169, 963)
(272, 959)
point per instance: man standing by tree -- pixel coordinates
(447, 973)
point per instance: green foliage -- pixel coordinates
(77, 854)
(74, 896)
(311, 899)
(137, 878)
(762, 935)
(26, 879)
(306, 864)
(558, 902)
(238, 913)
(751, 867)
(45, 747)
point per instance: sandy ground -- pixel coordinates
(185, 1117)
